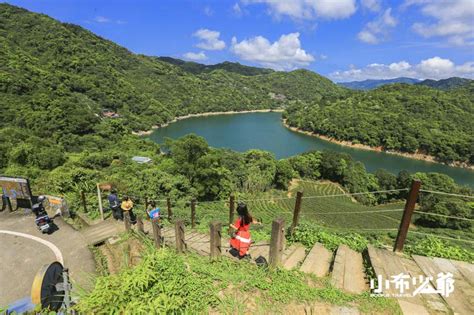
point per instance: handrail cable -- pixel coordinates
(445, 216)
(352, 212)
(443, 237)
(446, 194)
(359, 193)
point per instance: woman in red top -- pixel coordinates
(241, 241)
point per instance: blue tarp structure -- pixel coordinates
(141, 159)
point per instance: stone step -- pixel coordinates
(260, 249)
(387, 264)
(461, 300)
(318, 261)
(348, 271)
(295, 257)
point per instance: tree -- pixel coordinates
(284, 174)
(386, 181)
(186, 151)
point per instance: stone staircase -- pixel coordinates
(344, 267)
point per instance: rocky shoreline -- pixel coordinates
(416, 156)
(148, 132)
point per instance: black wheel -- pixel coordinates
(44, 290)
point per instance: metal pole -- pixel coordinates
(407, 214)
(296, 212)
(99, 198)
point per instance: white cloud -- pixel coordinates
(372, 5)
(101, 19)
(236, 9)
(195, 56)
(208, 11)
(376, 31)
(309, 9)
(432, 68)
(323, 57)
(454, 20)
(209, 39)
(284, 54)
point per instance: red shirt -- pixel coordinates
(240, 226)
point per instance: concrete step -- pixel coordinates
(260, 249)
(348, 271)
(318, 261)
(295, 254)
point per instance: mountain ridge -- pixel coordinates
(442, 84)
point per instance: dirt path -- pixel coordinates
(21, 257)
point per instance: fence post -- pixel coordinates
(296, 212)
(179, 233)
(155, 223)
(146, 202)
(126, 221)
(99, 198)
(231, 211)
(168, 204)
(216, 234)
(277, 242)
(140, 227)
(407, 214)
(193, 213)
(84, 203)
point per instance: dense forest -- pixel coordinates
(57, 79)
(398, 117)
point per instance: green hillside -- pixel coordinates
(45, 62)
(400, 117)
(446, 84)
(196, 68)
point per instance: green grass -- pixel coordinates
(165, 282)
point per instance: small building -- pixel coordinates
(110, 114)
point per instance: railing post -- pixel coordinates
(140, 227)
(155, 223)
(296, 211)
(277, 242)
(84, 203)
(179, 232)
(193, 213)
(407, 214)
(231, 211)
(99, 198)
(168, 204)
(216, 234)
(126, 221)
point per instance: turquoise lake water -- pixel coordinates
(265, 131)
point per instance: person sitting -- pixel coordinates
(240, 242)
(127, 206)
(115, 205)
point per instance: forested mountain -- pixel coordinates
(196, 68)
(400, 117)
(446, 84)
(372, 84)
(45, 62)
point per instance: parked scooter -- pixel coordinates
(43, 221)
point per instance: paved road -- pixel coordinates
(21, 258)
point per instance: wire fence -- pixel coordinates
(339, 211)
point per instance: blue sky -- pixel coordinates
(342, 39)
